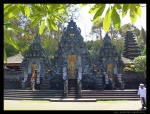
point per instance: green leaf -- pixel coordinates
(27, 11)
(36, 21)
(107, 20)
(117, 6)
(125, 9)
(63, 15)
(10, 15)
(5, 56)
(22, 7)
(38, 8)
(6, 6)
(42, 26)
(15, 28)
(7, 19)
(8, 39)
(58, 18)
(48, 24)
(35, 16)
(133, 15)
(116, 19)
(61, 10)
(10, 9)
(94, 9)
(99, 13)
(16, 13)
(138, 10)
(54, 26)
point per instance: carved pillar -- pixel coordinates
(66, 88)
(79, 85)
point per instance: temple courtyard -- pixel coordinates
(127, 105)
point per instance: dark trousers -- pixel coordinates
(144, 102)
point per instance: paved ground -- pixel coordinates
(46, 105)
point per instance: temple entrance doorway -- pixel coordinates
(72, 66)
(34, 68)
(110, 69)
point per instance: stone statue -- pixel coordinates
(33, 79)
(79, 83)
(80, 73)
(65, 78)
(38, 78)
(25, 76)
(24, 80)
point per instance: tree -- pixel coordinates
(119, 45)
(113, 32)
(143, 34)
(96, 45)
(112, 14)
(10, 50)
(50, 45)
(97, 28)
(89, 45)
(123, 29)
(143, 53)
(47, 15)
(44, 15)
(141, 40)
(140, 64)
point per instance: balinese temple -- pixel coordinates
(72, 64)
(35, 60)
(109, 63)
(72, 54)
(131, 49)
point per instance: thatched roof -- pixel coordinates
(15, 59)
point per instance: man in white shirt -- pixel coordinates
(142, 95)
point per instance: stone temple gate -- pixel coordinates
(72, 63)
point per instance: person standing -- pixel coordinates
(142, 95)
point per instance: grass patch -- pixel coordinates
(35, 101)
(29, 101)
(106, 101)
(14, 109)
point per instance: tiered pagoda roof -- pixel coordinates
(131, 49)
(107, 54)
(35, 51)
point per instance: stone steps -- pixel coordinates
(86, 94)
(73, 100)
(58, 96)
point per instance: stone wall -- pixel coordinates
(12, 79)
(133, 79)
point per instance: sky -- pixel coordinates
(85, 24)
